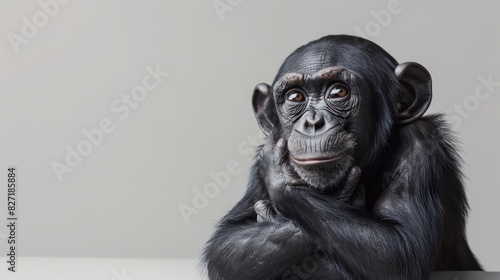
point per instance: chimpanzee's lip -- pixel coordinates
(314, 161)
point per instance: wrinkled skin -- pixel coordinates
(282, 178)
(353, 182)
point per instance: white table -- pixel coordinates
(144, 269)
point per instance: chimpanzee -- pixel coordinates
(352, 182)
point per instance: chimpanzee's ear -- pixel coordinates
(260, 95)
(416, 95)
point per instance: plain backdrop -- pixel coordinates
(78, 69)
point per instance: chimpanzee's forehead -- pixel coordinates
(310, 61)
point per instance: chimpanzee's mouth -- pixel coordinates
(316, 161)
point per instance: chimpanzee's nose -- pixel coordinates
(314, 123)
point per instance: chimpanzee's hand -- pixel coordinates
(278, 172)
(265, 211)
(353, 193)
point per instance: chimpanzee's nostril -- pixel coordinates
(315, 121)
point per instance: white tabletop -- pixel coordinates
(143, 269)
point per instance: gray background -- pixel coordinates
(123, 199)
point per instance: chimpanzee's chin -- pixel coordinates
(325, 177)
